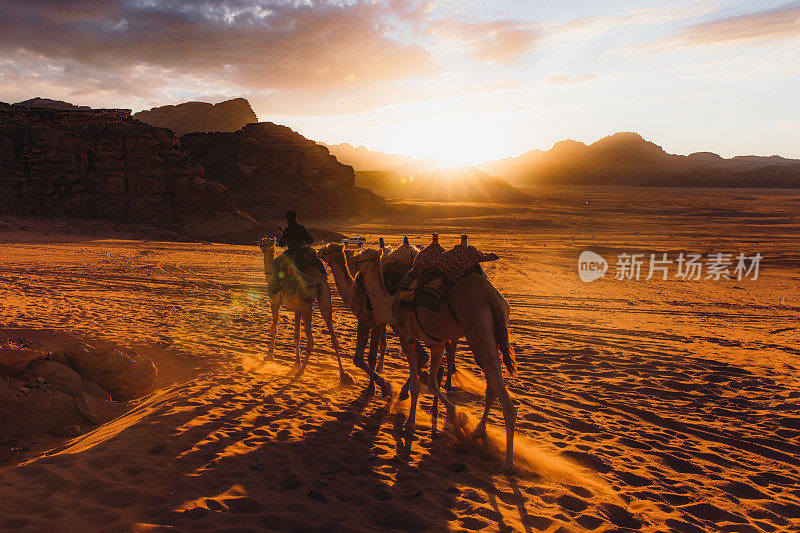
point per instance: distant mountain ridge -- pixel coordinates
(190, 117)
(465, 184)
(626, 158)
(362, 158)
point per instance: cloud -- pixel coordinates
(249, 43)
(498, 42)
(649, 16)
(777, 23)
(565, 79)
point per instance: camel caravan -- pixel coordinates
(431, 298)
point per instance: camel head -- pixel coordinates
(363, 259)
(331, 252)
(266, 243)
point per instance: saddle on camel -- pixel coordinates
(435, 271)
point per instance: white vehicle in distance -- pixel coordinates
(357, 242)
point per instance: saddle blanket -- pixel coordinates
(429, 284)
(296, 274)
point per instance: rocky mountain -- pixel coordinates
(628, 159)
(366, 160)
(269, 168)
(200, 116)
(460, 184)
(102, 164)
(46, 103)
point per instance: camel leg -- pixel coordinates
(422, 358)
(306, 312)
(381, 349)
(480, 429)
(273, 331)
(297, 338)
(450, 353)
(326, 310)
(433, 377)
(374, 340)
(485, 349)
(407, 344)
(362, 332)
(404, 390)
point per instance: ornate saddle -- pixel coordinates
(296, 272)
(428, 283)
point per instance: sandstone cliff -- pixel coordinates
(101, 164)
(270, 168)
(200, 116)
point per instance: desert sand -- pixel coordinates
(643, 405)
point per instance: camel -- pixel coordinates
(473, 309)
(300, 301)
(355, 298)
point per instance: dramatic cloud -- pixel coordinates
(253, 44)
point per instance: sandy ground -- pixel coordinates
(643, 405)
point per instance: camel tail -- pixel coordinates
(501, 336)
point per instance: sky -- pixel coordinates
(462, 81)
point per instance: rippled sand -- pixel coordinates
(642, 405)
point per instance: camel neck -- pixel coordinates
(269, 256)
(378, 295)
(341, 276)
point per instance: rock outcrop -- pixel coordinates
(46, 103)
(102, 164)
(200, 116)
(627, 159)
(123, 375)
(61, 391)
(269, 168)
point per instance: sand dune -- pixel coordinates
(648, 406)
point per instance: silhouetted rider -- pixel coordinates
(297, 239)
(295, 235)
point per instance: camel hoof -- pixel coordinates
(508, 468)
(371, 389)
(409, 427)
(386, 389)
(345, 379)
